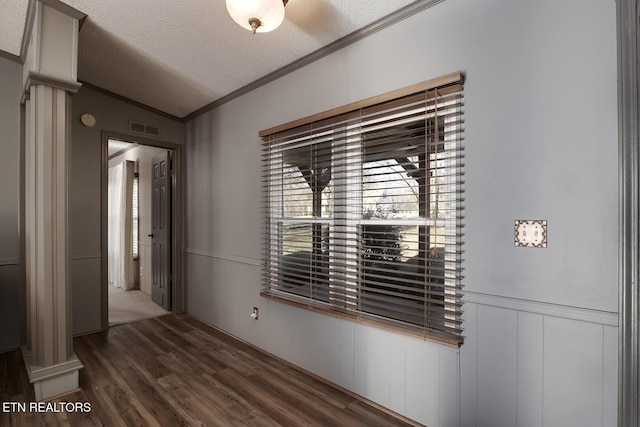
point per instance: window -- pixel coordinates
(363, 210)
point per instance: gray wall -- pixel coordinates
(541, 143)
(11, 272)
(112, 115)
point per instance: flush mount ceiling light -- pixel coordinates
(257, 16)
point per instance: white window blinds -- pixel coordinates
(363, 210)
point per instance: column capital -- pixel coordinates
(50, 46)
(35, 79)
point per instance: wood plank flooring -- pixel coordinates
(176, 371)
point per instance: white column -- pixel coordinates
(50, 79)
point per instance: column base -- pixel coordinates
(51, 381)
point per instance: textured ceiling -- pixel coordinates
(12, 20)
(179, 56)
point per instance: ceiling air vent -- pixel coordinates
(148, 130)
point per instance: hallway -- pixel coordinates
(126, 306)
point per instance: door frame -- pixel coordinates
(628, 35)
(177, 283)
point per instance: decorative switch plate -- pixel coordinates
(531, 233)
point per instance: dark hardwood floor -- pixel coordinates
(177, 371)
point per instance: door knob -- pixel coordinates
(150, 235)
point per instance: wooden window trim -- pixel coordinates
(445, 80)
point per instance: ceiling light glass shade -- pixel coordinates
(268, 13)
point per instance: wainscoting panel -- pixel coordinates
(469, 367)
(520, 368)
(334, 349)
(301, 333)
(199, 277)
(423, 404)
(573, 373)
(10, 304)
(449, 387)
(497, 355)
(610, 373)
(86, 292)
(398, 355)
(280, 341)
(372, 363)
(530, 369)
(222, 292)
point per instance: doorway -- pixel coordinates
(144, 230)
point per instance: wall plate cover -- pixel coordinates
(531, 233)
